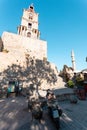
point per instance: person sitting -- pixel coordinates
(50, 95)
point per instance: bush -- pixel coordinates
(70, 84)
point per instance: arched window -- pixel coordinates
(29, 25)
(28, 34)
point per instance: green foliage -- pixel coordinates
(70, 84)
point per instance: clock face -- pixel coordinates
(30, 14)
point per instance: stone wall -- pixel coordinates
(36, 48)
(26, 61)
(28, 71)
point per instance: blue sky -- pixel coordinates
(62, 23)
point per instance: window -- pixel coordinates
(35, 31)
(29, 25)
(31, 8)
(28, 34)
(30, 17)
(22, 28)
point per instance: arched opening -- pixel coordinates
(28, 34)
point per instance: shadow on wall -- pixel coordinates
(34, 72)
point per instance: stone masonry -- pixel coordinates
(34, 47)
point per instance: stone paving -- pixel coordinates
(74, 116)
(14, 115)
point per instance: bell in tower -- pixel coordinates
(29, 23)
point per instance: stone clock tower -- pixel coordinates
(28, 36)
(29, 23)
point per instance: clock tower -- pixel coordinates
(29, 23)
(28, 37)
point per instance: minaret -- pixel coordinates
(73, 60)
(29, 23)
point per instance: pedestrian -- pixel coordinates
(17, 88)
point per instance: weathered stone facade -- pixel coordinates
(34, 47)
(27, 70)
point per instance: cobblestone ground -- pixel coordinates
(14, 115)
(74, 115)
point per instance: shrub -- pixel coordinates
(70, 84)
